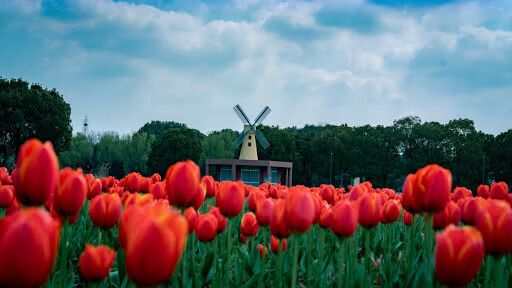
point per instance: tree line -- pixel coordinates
(383, 155)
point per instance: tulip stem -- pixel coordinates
(309, 257)
(341, 260)
(295, 260)
(428, 250)
(64, 252)
(321, 255)
(279, 260)
(497, 271)
(228, 262)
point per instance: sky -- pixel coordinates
(125, 63)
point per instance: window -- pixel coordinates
(273, 176)
(225, 173)
(250, 137)
(249, 144)
(250, 175)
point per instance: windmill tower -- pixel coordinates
(248, 136)
(86, 126)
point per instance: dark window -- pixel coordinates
(249, 137)
(249, 144)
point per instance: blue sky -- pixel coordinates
(124, 63)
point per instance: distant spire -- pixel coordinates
(86, 125)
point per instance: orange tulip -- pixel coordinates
(181, 182)
(207, 226)
(29, 241)
(145, 185)
(264, 209)
(199, 197)
(278, 222)
(369, 206)
(249, 226)
(154, 244)
(274, 244)
(263, 250)
(230, 198)
(461, 193)
(94, 189)
(344, 219)
(37, 171)
(408, 201)
(158, 190)
(253, 198)
(495, 224)
(105, 210)
(326, 216)
(71, 192)
(459, 254)
(408, 218)
(6, 196)
(96, 262)
(391, 211)
(300, 210)
(191, 216)
(210, 186)
(483, 191)
(499, 191)
(357, 191)
(470, 208)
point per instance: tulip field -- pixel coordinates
(61, 228)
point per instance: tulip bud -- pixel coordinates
(344, 219)
(327, 193)
(483, 191)
(274, 244)
(29, 241)
(181, 182)
(210, 186)
(105, 210)
(263, 250)
(249, 226)
(432, 188)
(499, 191)
(459, 254)
(133, 182)
(278, 222)
(230, 198)
(264, 209)
(451, 214)
(326, 216)
(156, 178)
(71, 192)
(222, 221)
(369, 206)
(495, 224)
(6, 196)
(300, 210)
(96, 262)
(94, 189)
(158, 190)
(191, 216)
(207, 226)
(391, 211)
(37, 171)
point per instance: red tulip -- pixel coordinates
(483, 191)
(181, 182)
(264, 209)
(156, 178)
(243, 239)
(263, 250)
(29, 241)
(344, 219)
(15, 206)
(495, 224)
(461, 193)
(96, 262)
(278, 223)
(37, 171)
(408, 218)
(105, 210)
(6, 196)
(499, 191)
(459, 254)
(470, 208)
(357, 191)
(158, 190)
(249, 226)
(222, 221)
(300, 210)
(327, 192)
(253, 198)
(451, 214)
(274, 244)
(154, 244)
(326, 216)
(191, 216)
(408, 201)
(207, 226)
(94, 189)
(210, 186)
(369, 206)
(391, 211)
(199, 197)
(230, 198)
(71, 192)
(432, 187)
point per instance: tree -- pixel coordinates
(80, 154)
(110, 155)
(175, 144)
(218, 145)
(137, 148)
(31, 112)
(158, 128)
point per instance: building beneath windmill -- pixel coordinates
(248, 167)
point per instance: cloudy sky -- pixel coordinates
(124, 63)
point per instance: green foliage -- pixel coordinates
(218, 145)
(158, 128)
(80, 154)
(31, 111)
(175, 144)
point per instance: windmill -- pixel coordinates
(247, 137)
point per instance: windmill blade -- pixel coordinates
(240, 138)
(262, 116)
(241, 114)
(263, 141)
